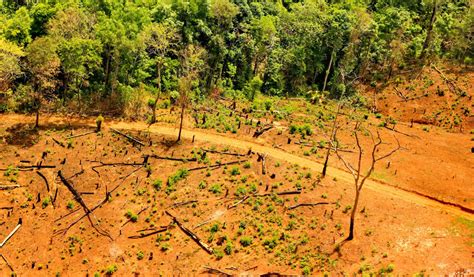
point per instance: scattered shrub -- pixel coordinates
(246, 241)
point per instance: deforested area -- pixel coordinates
(236, 137)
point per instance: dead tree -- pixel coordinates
(333, 137)
(87, 211)
(356, 172)
(192, 235)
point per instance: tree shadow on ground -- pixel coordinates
(24, 134)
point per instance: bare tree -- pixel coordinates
(359, 178)
(333, 135)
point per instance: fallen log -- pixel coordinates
(262, 130)
(98, 206)
(405, 134)
(76, 174)
(451, 84)
(87, 211)
(128, 137)
(106, 200)
(224, 153)
(20, 222)
(238, 202)
(401, 94)
(102, 164)
(66, 215)
(193, 236)
(308, 205)
(143, 235)
(74, 192)
(59, 143)
(278, 193)
(172, 158)
(9, 187)
(44, 178)
(38, 166)
(8, 264)
(216, 165)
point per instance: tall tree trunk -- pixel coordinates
(37, 111)
(353, 213)
(255, 66)
(113, 83)
(429, 32)
(333, 134)
(181, 121)
(153, 119)
(107, 72)
(327, 71)
(37, 118)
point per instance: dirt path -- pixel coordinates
(387, 190)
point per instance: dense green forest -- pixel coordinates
(85, 51)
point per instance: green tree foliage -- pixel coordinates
(114, 48)
(10, 55)
(43, 64)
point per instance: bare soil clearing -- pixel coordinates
(395, 227)
(409, 194)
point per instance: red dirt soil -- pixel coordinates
(388, 231)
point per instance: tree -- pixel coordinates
(191, 65)
(43, 64)
(429, 31)
(160, 39)
(111, 33)
(333, 136)
(78, 49)
(264, 32)
(10, 69)
(253, 88)
(356, 172)
(17, 28)
(223, 11)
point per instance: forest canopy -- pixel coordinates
(88, 50)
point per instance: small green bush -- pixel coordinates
(228, 249)
(216, 188)
(246, 241)
(235, 171)
(140, 255)
(111, 269)
(46, 202)
(157, 184)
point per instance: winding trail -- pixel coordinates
(385, 189)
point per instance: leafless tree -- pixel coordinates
(356, 172)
